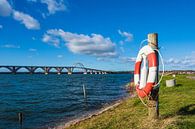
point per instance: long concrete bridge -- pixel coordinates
(56, 69)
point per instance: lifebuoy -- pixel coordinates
(147, 79)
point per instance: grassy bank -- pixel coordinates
(177, 110)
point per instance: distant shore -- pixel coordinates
(120, 72)
(113, 72)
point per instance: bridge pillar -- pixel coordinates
(99, 72)
(69, 70)
(85, 72)
(59, 70)
(13, 69)
(91, 72)
(31, 69)
(46, 70)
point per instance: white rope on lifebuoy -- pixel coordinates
(162, 61)
(163, 69)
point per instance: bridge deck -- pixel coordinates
(47, 69)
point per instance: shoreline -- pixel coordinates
(175, 111)
(105, 108)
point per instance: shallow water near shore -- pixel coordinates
(46, 100)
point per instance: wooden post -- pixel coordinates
(84, 91)
(20, 119)
(153, 110)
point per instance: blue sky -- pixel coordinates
(102, 34)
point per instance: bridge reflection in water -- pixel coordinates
(57, 69)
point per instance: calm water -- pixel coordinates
(46, 100)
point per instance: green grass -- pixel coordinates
(177, 110)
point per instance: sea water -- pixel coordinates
(47, 100)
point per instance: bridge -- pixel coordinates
(57, 69)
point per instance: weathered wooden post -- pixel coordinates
(153, 109)
(84, 91)
(20, 119)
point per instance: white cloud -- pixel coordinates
(51, 39)
(5, 8)
(121, 42)
(94, 44)
(53, 6)
(1, 26)
(59, 56)
(127, 59)
(103, 59)
(33, 38)
(172, 61)
(32, 0)
(128, 36)
(27, 20)
(43, 15)
(187, 62)
(122, 49)
(32, 50)
(10, 46)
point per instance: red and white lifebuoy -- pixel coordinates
(147, 78)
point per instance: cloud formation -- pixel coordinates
(59, 56)
(32, 50)
(5, 8)
(127, 59)
(50, 38)
(128, 36)
(28, 21)
(32, 0)
(93, 45)
(53, 6)
(187, 62)
(10, 46)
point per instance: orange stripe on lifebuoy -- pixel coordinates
(137, 67)
(152, 60)
(145, 91)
